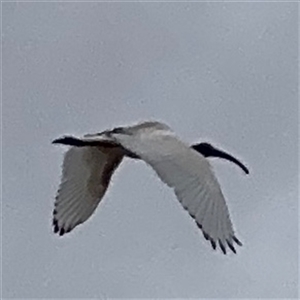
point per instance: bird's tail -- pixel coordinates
(72, 141)
(89, 140)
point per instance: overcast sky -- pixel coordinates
(225, 73)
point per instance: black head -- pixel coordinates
(207, 150)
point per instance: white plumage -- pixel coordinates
(85, 177)
(90, 162)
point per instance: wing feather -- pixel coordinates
(86, 173)
(190, 175)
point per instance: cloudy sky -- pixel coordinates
(225, 73)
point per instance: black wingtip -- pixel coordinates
(223, 248)
(206, 236)
(222, 245)
(237, 241)
(213, 244)
(231, 246)
(55, 226)
(199, 225)
(62, 231)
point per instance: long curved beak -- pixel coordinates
(208, 150)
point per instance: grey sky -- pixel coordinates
(219, 72)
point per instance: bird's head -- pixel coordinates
(207, 150)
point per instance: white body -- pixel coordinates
(87, 172)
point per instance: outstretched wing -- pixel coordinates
(191, 177)
(85, 177)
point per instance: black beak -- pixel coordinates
(208, 150)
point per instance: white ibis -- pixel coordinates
(91, 161)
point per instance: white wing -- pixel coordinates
(192, 179)
(85, 177)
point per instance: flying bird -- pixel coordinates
(90, 162)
